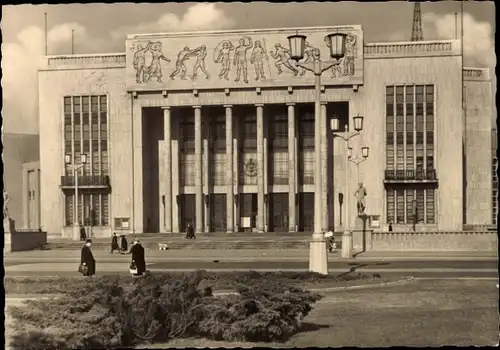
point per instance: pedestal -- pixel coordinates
(318, 257)
(361, 235)
(346, 245)
(76, 232)
(9, 225)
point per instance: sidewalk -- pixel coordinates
(243, 255)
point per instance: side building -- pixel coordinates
(216, 129)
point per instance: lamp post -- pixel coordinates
(318, 258)
(75, 167)
(358, 159)
(358, 126)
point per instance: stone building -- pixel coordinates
(216, 129)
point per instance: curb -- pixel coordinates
(333, 289)
(361, 286)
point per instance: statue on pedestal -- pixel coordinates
(6, 200)
(360, 195)
(8, 223)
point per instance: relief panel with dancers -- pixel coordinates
(225, 60)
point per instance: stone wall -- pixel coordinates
(435, 241)
(23, 241)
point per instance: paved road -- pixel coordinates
(429, 269)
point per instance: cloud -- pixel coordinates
(203, 16)
(20, 63)
(479, 45)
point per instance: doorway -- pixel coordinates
(306, 211)
(187, 211)
(278, 212)
(218, 213)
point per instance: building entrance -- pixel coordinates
(278, 212)
(218, 213)
(248, 211)
(306, 211)
(187, 211)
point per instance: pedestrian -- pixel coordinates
(123, 243)
(138, 257)
(190, 232)
(114, 243)
(390, 226)
(87, 261)
(83, 235)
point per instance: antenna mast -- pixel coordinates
(416, 33)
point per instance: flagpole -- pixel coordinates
(72, 41)
(46, 34)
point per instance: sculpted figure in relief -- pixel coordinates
(282, 58)
(154, 69)
(222, 55)
(201, 54)
(240, 59)
(180, 67)
(257, 59)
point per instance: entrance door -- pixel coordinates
(306, 211)
(218, 213)
(278, 212)
(31, 200)
(248, 211)
(187, 209)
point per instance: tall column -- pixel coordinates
(175, 173)
(198, 169)
(324, 168)
(260, 168)
(229, 170)
(317, 160)
(291, 168)
(206, 173)
(168, 168)
(236, 179)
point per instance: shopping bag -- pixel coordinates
(83, 269)
(133, 268)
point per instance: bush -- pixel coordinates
(215, 280)
(108, 313)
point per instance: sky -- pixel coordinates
(101, 28)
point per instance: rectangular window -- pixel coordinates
(409, 146)
(429, 204)
(390, 205)
(409, 205)
(105, 209)
(400, 206)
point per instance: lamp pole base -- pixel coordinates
(318, 256)
(76, 232)
(346, 245)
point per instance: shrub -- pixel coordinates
(112, 312)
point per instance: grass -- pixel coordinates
(423, 313)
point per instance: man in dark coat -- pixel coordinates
(87, 258)
(190, 232)
(83, 235)
(114, 243)
(123, 243)
(138, 257)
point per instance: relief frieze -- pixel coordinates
(235, 60)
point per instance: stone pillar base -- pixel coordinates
(9, 225)
(346, 245)
(318, 257)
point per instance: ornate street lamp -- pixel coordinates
(358, 127)
(75, 167)
(318, 258)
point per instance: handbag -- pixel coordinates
(83, 269)
(133, 268)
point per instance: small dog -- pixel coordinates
(163, 246)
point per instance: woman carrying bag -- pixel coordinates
(87, 261)
(138, 264)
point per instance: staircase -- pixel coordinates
(208, 241)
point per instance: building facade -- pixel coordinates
(216, 129)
